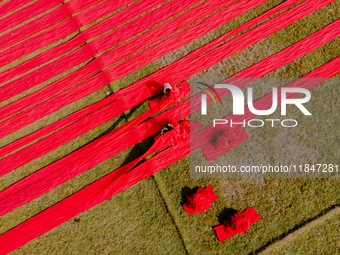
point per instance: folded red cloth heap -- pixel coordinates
(200, 201)
(236, 224)
(226, 140)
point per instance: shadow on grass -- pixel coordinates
(225, 213)
(187, 191)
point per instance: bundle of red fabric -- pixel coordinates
(226, 140)
(236, 224)
(200, 201)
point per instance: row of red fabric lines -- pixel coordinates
(45, 145)
(99, 191)
(166, 46)
(23, 191)
(115, 20)
(25, 13)
(109, 40)
(44, 38)
(111, 57)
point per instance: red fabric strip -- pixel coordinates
(109, 23)
(45, 145)
(86, 124)
(61, 13)
(57, 212)
(83, 112)
(307, 81)
(88, 197)
(12, 5)
(101, 44)
(115, 72)
(69, 207)
(52, 35)
(272, 63)
(85, 158)
(26, 13)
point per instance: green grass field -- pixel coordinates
(299, 216)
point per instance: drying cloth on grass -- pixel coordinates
(200, 201)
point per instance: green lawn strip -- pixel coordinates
(320, 236)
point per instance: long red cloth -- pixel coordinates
(84, 199)
(28, 154)
(52, 35)
(88, 197)
(219, 54)
(116, 54)
(59, 14)
(123, 16)
(93, 48)
(12, 6)
(62, 170)
(272, 63)
(85, 111)
(99, 28)
(25, 13)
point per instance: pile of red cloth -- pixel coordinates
(236, 224)
(200, 201)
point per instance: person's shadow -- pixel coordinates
(186, 191)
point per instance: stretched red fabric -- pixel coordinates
(56, 33)
(83, 112)
(12, 6)
(236, 224)
(96, 152)
(69, 119)
(64, 169)
(327, 70)
(109, 23)
(88, 197)
(79, 201)
(58, 15)
(25, 13)
(98, 81)
(72, 131)
(78, 40)
(102, 44)
(200, 201)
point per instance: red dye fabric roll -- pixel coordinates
(98, 81)
(236, 224)
(83, 112)
(88, 197)
(200, 201)
(25, 13)
(95, 47)
(67, 134)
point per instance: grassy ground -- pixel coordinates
(148, 218)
